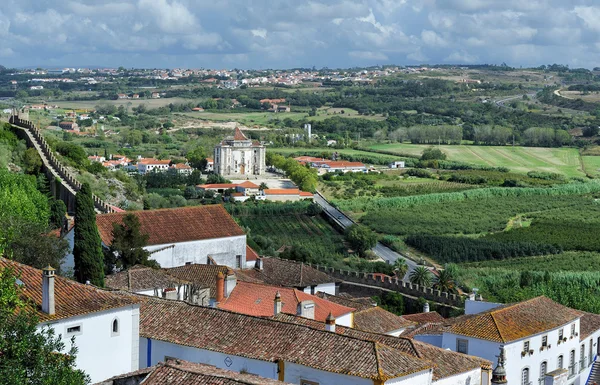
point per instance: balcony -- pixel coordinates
(572, 370)
(582, 364)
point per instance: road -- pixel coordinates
(382, 251)
(501, 102)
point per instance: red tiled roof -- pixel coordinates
(251, 255)
(71, 298)
(181, 166)
(166, 226)
(217, 186)
(342, 164)
(248, 184)
(139, 277)
(239, 135)
(270, 340)
(421, 318)
(513, 322)
(445, 363)
(282, 191)
(153, 161)
(588, 324)
(284, 272)
(210, 160)
(179, 372)
(201, 276)
(306, 194)
(257, 299)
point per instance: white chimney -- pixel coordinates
(277, 304)
(48, 290)
(426, 307)
(230, 283)
(306, 309)
(330, 323)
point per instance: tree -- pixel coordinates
(420, 276)
(32, 160)
(392, 302)
(432, 153)
(263, 186)
(31, 356)
(128, 244)
(197, 158)
(361, 238)
(400, 267)
(445, 282)
(314, 209)
(58, 212)
(87, 249)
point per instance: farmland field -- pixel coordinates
(150, 103)
(519, 159)
(592, 165)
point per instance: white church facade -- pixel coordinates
(238, 156)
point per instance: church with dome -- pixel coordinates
(238, 156)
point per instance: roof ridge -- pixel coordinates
(378, 361)
(497, 328)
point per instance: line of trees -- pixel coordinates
(303, 176)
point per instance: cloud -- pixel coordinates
(293, 33)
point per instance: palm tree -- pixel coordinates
(445, 282)
(263, 186)
(400, 267)
(420, 276)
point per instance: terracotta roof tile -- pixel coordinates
(422, 318)
(251, 255)
(167, 226)
(445, 362)
(283, 272)
(257, 299)
(282, 191)
(138, 278)
(270, 340)
(588, 323)
(248, 184)
(513, 322)
(200, 276)
(71, 298)
(239, 135)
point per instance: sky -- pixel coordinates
(259, 34)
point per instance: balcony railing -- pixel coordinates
(572, 370)
(582, 364)
(541, 381)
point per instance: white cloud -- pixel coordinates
(432, 39)
(590, 15)
(170, 17)
(368, 55)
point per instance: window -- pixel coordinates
(582, 357)
(560, 362)
(544, 341)
(572, 363)
(573, 330)
(543, 369)
(73, 330)
(462, 346)
(238, 261)
(115, 328)
(525, 376)
(526, 347)
(560, 334)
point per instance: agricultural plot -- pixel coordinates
(150, 103)
(592, 165)
(518, 159)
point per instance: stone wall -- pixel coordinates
(66, 186)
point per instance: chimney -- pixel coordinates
(220, 287)
(230, 283)
(277, 304)
(306, 309)
(259, 265)
(170, 293)
(330, 323)
(426, 307)
(473, 295)
(48, 290)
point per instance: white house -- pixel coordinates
(145, 165)
(179, 236)
(105, 325)
(181, 168)
(397, 164)
(538, 336)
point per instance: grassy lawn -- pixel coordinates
(150, 103)
(518, 159)
(344, 151)
(592, 165)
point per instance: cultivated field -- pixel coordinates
(592, 165)
(518, 159)
(150, 103)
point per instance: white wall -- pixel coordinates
(345, 320)
(159, 292)
(294, 373)
(472, 377)
(328, 288)
(160, 349)
(433, 339)
(101, 354)
(420, 378)
(222, 250)
(475, 307)
(515, 363)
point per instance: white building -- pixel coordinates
(239, 156)
(179, 236)
(538, 336)
(145, 165)
(397, 164)
(105, 325)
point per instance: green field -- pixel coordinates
(519, 159)
(344, 151)
(592, 165)
(150, 103)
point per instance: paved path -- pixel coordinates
(382, 251)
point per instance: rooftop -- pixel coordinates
(71, 298)
(271, 340)
(181, 372)
(200, 275)
(167, 226)
(153, 161)
(445, 363)
(513, 322)
(139, 277)
(422, 318)
(257, 299)
(239, 135)
(284, 272)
